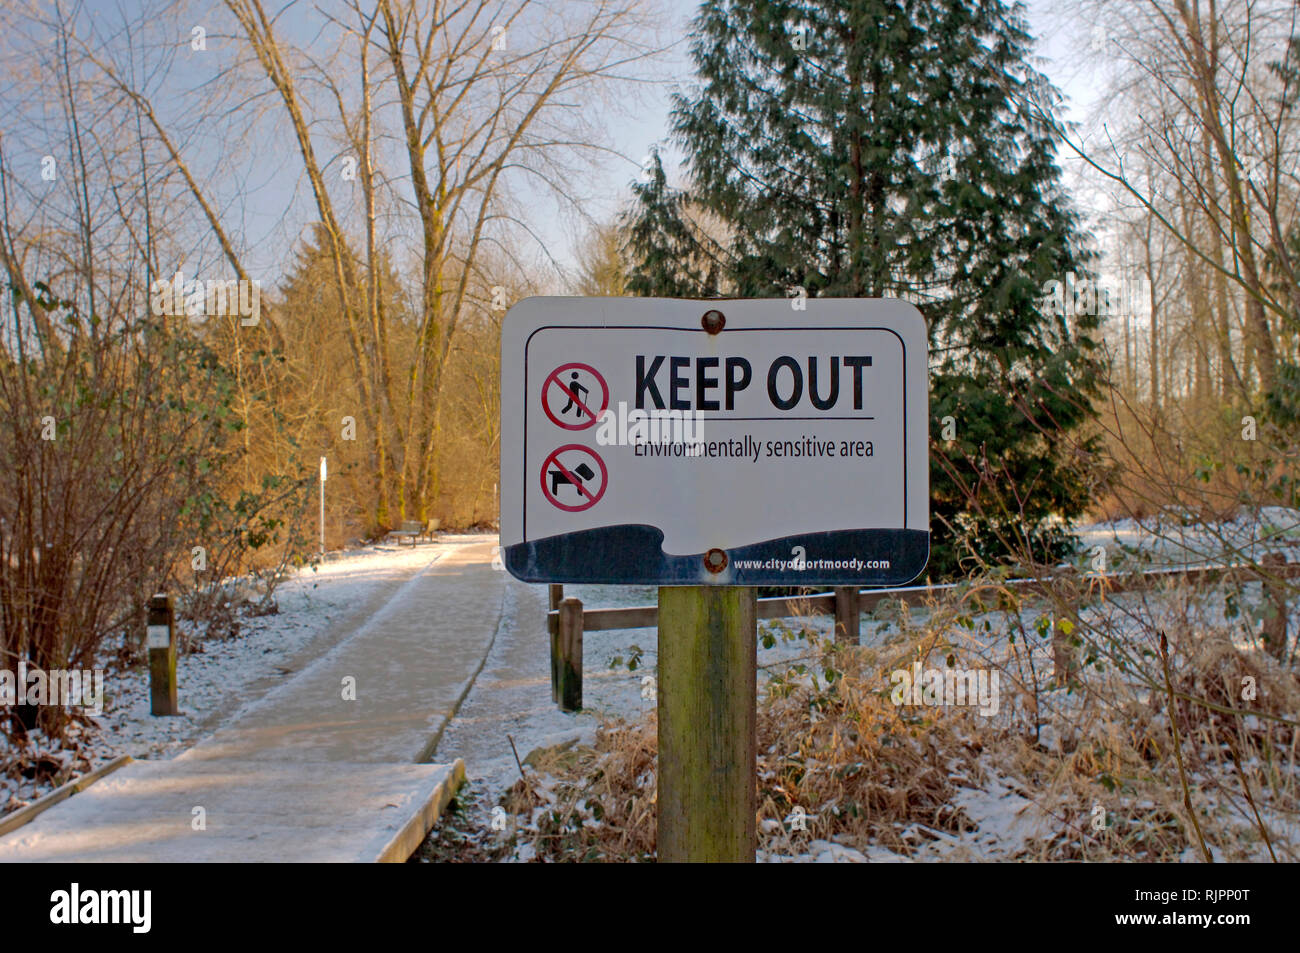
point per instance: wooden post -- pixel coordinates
(1275, 595)
(707, 692)
(554, 596)
(566, 660)
(847, 615)
(160, 639)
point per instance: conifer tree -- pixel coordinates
(888, 148)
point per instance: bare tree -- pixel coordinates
(487, 99)
(1208, 92)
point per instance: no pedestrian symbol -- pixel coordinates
(574, 478)
(574, 396)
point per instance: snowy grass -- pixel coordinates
(1174, 537)
(1072, 769)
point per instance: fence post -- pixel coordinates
(566, 656)
(160, 639)
(847, 615)
(554, 596)
(1274, 586)
(708, 794)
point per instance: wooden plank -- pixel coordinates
(254, 811)
(554, 596)
(555, 658)
(782, 607)
(779, 607)
(25, 815)
(639, 617)
(911, 595)
(411, 836)
(707, 721)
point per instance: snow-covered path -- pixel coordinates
(409, 664)
(320, 767)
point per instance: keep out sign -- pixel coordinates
(643, 442)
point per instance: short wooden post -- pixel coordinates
(554, 596)
(566, 659)
(847, 615)
(707, 692)
(1274, 632)
(160, 639)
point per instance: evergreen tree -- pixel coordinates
(674, 256)
(888, 148)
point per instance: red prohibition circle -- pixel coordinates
(591, 500)
(554, 378)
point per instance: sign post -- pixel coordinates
(710, 447)
(708, 711)
(322, 506)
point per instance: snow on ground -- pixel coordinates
(1175, 538)
(214, 682)
(1005, 823)
(510, 700)
(318, 606)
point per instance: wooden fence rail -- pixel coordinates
(848, 603)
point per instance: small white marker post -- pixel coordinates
(322, 506)
(160, 640)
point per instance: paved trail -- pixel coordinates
(304, 773)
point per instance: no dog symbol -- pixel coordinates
(574, 478)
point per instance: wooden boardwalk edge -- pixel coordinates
(411, 836)
(25, 815)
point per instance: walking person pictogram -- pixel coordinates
(576, 400)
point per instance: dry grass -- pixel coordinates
(871, 774)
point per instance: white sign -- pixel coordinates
(322, 469)
(643, 442)
(157, 637)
